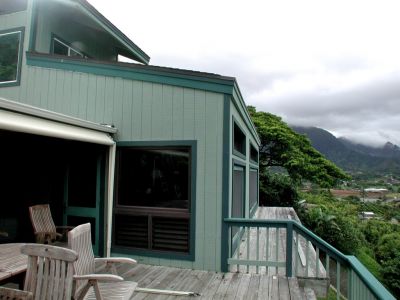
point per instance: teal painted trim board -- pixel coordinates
(192, 241)
(225, 182)
(243, 109)
(134, 72)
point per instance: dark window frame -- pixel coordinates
(253, 150)
(159, 212)
(237, 130)
(21, 32)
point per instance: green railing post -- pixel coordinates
(289, 249)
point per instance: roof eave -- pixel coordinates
(140, 55)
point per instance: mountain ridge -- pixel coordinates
(351, 156)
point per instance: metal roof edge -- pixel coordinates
(177, 77)
(53, 116)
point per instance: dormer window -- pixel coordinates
(62, 48)
(10, 56)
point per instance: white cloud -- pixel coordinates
(332, 64)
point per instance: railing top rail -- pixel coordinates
(350, 261)
(257, 222)
(369, 280)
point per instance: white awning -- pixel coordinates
(29, 124)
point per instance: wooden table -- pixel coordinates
(12, 262)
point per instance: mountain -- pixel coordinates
(351, 156)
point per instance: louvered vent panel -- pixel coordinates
(131, 231)
(171, 234)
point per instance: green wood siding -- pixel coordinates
(143, 111)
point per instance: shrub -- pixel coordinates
(365, 255)
(388, 247)
(277, 190)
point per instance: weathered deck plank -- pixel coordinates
(212, 285)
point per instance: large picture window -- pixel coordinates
(154, 177)
(153, 203)
(10, 51)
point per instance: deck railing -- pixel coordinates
(287, 246)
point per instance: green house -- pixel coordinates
(154, 158)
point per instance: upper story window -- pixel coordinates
(10, 56)
(239, 140)
(62, 48)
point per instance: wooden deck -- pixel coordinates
(268, 250)
(266, 284)
(212, 285)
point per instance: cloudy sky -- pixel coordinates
(331, 64)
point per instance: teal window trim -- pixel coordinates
(235, 238)
(226, 182)
(192, 144)
(21, 31)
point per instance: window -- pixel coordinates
(238, 190)
(253, 187)
(239, 140)
(62, 48)
(253, 154)
(10, 56)
(153, 203)
(154, 178)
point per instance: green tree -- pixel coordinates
(283, 147)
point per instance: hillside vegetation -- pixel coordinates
(375, 242)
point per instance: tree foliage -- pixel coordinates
(283, 147)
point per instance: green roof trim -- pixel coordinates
(139, 54)
(175, 77)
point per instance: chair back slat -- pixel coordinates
(42, 221)
(79, 240)
(50, 271)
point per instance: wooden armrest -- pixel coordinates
(123, 260)
(65, 227)
(99, 277)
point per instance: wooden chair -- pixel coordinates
(88, 284)
(12, 294)
(50, 270)
(43, 226)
